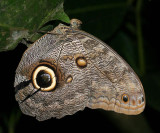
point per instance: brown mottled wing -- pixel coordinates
(70, 95)
(111, 78)
(100, 84)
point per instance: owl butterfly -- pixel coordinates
(68, 69)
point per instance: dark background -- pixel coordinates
(12, 121)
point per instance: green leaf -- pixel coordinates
(23, 18)
(101, 17)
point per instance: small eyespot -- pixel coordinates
(69, 79)
(81, 62)
(125, 98)
(44, 77)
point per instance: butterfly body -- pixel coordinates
(73, 70)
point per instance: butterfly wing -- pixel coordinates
(118, 88)
(87, 73)
(72, 91)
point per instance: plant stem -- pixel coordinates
(139, 37)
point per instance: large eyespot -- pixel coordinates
(125, 98)
(44, 77)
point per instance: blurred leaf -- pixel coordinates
(23, 18)
(12, 120)
(151, 83)
(1, 130)
(101, 17)
(128, 123)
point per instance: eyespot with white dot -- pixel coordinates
(44, 77)
(125, 98)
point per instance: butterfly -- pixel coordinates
(68, 69)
